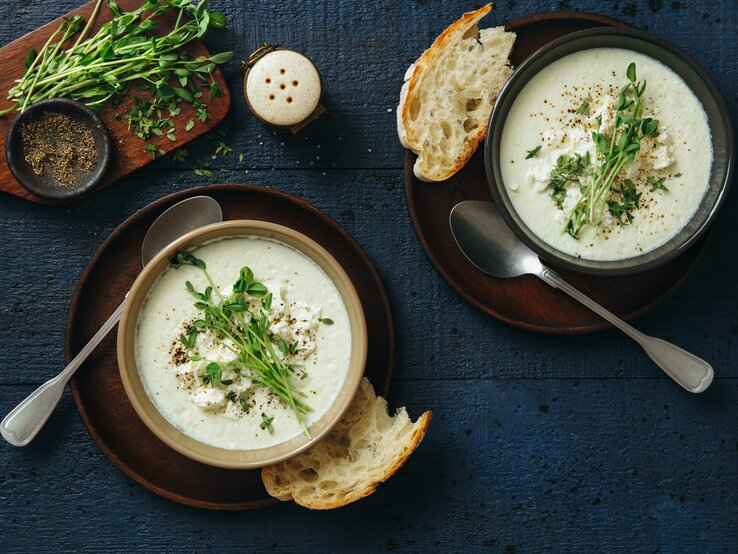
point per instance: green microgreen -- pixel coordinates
(532, 152)
(616, 147)
(184, 258)
(154, 151)
(213, 374)
(240, 324)
(266, 423)
(583, 108)
(657, 184)
(179, 155)
(287, 349)
(629, 200)
(326, 321)
(568, 169)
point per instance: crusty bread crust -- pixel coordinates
(411, 81)
(268, 475)
(401, 108)
(409, 90)
(423, 420)
(283, 481)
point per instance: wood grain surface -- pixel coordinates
(128, 150)
(97, 387)
(539, 442)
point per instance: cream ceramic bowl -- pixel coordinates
(205, 453)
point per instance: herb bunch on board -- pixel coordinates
(244, 330)
(97, 69)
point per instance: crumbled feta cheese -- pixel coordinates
(605, 110)
(660, 157)
(183, 369)
(553, 137)
(570, 200)
(208, 398)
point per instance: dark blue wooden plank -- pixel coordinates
(545, 465)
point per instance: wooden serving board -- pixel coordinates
(527, 301)
(128, 150)
(97, 387)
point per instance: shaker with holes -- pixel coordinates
(282, 88)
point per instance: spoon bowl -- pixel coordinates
(177, 221)
(488, 243)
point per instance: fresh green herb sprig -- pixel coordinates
(287, 349)
(657, 184)
(154, 150)
(583, 108)
(243, 330)
(533, 152)
(266, 423)
(631, 199)
(614, 151)
(99, 68)
(569, 169)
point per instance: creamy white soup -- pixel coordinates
(228, 408)
(550, 159)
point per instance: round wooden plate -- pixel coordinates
(527, 301)
(97, 388)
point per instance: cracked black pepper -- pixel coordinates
(60, 148)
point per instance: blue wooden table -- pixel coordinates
(538, 443)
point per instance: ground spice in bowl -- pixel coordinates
(59, 147)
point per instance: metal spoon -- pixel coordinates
(25, 421)
(488, 243)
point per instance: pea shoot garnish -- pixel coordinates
(239, 323)
(616, 147)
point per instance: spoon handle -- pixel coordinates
(692, 373)
(22, 424)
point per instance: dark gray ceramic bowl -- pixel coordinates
(41, 185)
(702, 86)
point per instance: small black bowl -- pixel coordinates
(41, 185)
(704, 89)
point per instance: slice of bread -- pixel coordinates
(366, 447)
(447, 98)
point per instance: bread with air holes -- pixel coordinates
(366, 447)
(448, 95)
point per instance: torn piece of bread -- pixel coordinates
(366, 447)
(449, 92)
